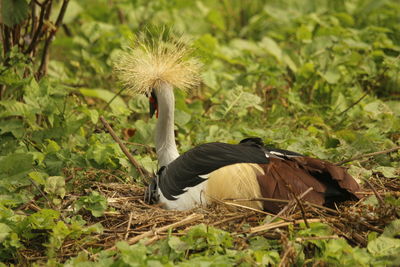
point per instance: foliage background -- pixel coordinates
(317, 77)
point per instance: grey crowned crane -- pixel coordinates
(218, 171)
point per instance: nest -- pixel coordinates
(129, 218)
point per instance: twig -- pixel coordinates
(270, 226)
(38, 31)
(390, 150)
(43, 65)
(381, 202)
(355, 103)
(300, 239)
(244, 207)
(129, 225)
(191, 218)
(283, 260)
(303, 213)
(248, 208)
(142, 171)
(288, 205)
(240, 216)
(286, 201)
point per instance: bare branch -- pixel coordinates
(43, 65)
(142, 171)
(387, 151)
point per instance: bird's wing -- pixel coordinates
(191, 168)
(284, 177)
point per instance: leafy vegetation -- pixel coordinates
(318, 77)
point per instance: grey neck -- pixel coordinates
(165, 135)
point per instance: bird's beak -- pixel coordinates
(153, 104)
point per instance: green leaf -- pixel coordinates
(332, 76)
(388, 172)
(303, 33)
(38, 177)
(14, 164)
(271, 47)
(44, 219)
(14, 126)
(177, 244)
(55, 185)
(182, 118)
(384, 246)
(95, 203)
(5, 231)
(116, 103)
(393, 229)
(52, 146)
(14, 11)
(216, 19)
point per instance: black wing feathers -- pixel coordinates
(185, 170)
(282, 168)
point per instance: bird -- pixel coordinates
(247, 171)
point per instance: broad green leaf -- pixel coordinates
(384, 246)
(38, 177)
(388, 172)
(271, 47)
(95, 203)
(13, 164)
(52, 146)
(55, 185)
(177, 244)
(14, 11)
(214, 16)
(332, 76)
(44, 219)
(181, 117)
(5, 231)
(393, 229)
(116, 103)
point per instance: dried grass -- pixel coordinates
(132, 219)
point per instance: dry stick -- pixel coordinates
(300, 239)
(355, 103)
(381, 202)
(390, 150)
(286, 201)
(38, 31)
(158, 237)
(285, 255)
(303, 213)
(48, 200)
(240, 216)
(288, 205)
(244, 207)
(43, 65)
(248, 208)
(142, 171)
(191, 218)
(278, 225)
(129, 225)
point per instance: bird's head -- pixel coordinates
(155, 64)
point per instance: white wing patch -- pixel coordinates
(204, 176)
(193, 197)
